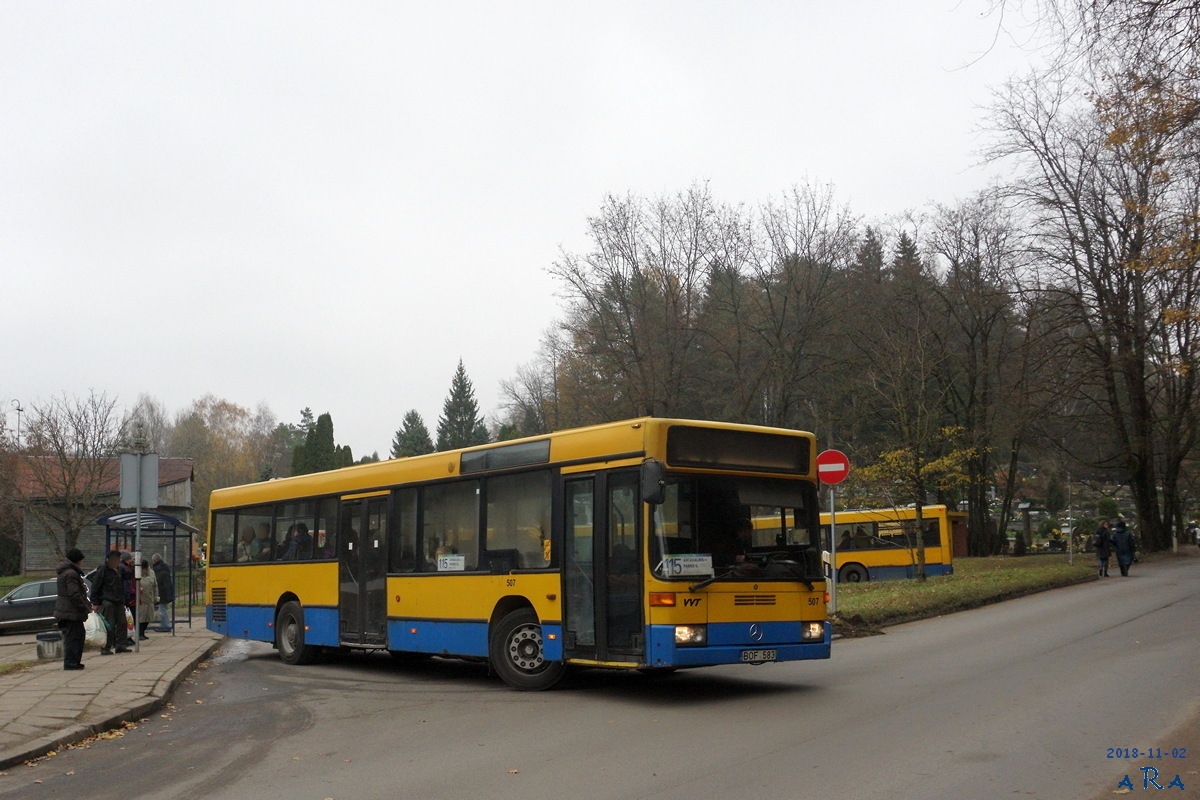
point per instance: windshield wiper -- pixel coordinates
(695, 587)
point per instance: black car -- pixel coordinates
(29, 607)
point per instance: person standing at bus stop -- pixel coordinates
(166, 592)
(108, 597)
(71, 608)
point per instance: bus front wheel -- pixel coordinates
(289, 635)
(518, 654)
(853, 573)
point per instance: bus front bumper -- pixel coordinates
(736, 643)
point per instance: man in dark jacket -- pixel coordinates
(1102, 543)
(1123, 546)
(71, 608)
(166, 591)
(108, 596)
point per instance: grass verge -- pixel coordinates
(863, 609)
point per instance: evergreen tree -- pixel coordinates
(868, 257)
(319, 452)
(907, 261)
(460, 424)
(412, 439)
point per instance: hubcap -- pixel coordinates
(289, 636)
(525, 648)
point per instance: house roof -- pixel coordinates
(39, 475)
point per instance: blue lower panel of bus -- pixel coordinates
(458, 637)
(258, 623)
(901, 573)
(733, 643)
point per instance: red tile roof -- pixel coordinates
(33, 481)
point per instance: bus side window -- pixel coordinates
(451, 520)
(224, 546)
(403, 546)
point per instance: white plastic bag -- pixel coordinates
(94, 633)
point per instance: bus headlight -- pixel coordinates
(691, 635)
(812, 631)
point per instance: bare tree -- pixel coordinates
(228, 443)
(634, 300)
(983, 339)
(68, 473)
(1112, 193)
(805, 241)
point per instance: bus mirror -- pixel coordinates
(654, 476)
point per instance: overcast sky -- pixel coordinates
(329, 204)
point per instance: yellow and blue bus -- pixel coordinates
(605, 546)
(880, 544)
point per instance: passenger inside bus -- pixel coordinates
(862, 539)
(245, 549)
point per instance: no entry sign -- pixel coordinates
(832, 467)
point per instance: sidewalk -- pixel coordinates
(44, 707)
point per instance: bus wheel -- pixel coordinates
(517, 653)
(853, 573)
(289, 635)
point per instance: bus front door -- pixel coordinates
(362, 572)
(602, 573)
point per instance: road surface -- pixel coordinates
(1022, 699)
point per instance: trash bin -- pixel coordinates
(50, 645)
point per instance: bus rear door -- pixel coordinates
(362, 572)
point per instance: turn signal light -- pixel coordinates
(662, 598)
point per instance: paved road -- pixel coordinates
(1017, 700)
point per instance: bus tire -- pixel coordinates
(853, 573)
(518, 655)
(289, 635)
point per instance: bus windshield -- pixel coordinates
(736, 528)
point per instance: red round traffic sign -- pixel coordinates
(832, 466)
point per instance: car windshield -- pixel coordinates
(736, 529)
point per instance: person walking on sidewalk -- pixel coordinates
(71, 608)
(166, 591)
(1123, 546)
(1102, 544)
(108, 597)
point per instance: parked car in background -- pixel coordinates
(30, 607)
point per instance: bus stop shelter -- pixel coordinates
(167, 536)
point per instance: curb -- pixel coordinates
(158, 697)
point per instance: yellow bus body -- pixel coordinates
(454, 601)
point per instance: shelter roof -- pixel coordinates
(151, 521)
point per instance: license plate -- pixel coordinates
(758, 655)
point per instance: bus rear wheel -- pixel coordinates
(853, 573)
(518, 654)
(289, 635)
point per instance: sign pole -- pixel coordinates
(139, 489)
(832, 469)
(833, 578)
